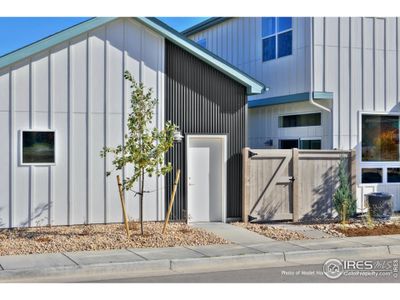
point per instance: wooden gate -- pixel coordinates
(271, 184)
(291, 184)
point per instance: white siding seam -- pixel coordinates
(124, 119)
(69, 168)
(88, 131)
(384, 65)
(12, 150)
(31, 168)
(350, 89)
(324, 55)
(339, 86)
(362, 69)
(373, 65)
(50, 126)
(397, 59)
(106, 159)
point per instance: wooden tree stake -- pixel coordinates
(171, 201)
(121, 196)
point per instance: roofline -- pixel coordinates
(291, 98)
(204, 25)
(253, 86)
(52, 40)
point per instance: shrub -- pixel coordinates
(343, 200)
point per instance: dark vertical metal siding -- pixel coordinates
(202, 100)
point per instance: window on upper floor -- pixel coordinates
(277, 37)
(202, 42)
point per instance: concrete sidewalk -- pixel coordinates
(147, 261)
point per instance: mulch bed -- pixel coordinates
(381, 229)
(273, 232)
(101, 237)
(359, 227)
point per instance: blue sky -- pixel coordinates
(19, 32)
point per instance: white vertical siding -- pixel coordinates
(360, 67)
(356, 59)
(239, 41)
(77, 89)
(264, 125)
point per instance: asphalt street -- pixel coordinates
(293, 274)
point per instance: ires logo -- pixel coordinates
(334, 268)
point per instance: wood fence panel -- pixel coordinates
(292, 184)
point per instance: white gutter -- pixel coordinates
(311, 99)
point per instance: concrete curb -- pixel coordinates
(340, 253)
(223, 262)
(246, 261)
(137, 267)
(394, 249)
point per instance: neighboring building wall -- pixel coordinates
(77, 89)
(358, 60)
(263, 125)
(202, 100)
(239, 41)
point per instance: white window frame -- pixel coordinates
(384, 165)
(299, 139)
(317, 138)
(21, 161)
(302, 113)
(275, 34)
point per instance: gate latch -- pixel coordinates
(292, 179)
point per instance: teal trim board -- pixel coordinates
(253, 86)
(290, 99)
(52, 40)
(204, 25)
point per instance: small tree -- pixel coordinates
(343, 199)
(144, 147)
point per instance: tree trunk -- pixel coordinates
(141, 202)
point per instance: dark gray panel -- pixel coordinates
(202, 100)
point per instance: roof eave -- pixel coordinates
(204, 25)
(253, 86)
(52, 40)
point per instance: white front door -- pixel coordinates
(206, 178)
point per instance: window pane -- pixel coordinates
(310, 144)
(284, 23)
(371, 175)
(393, 174)
(380, 138)
(285, 44)
(202, 42)
(269, 48)
(268, 26)
(288, 144)
(300, 120)
(38, 147)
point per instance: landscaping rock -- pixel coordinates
(273, 232)
(100, 237)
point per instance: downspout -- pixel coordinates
(310, 98)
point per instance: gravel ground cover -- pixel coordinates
(359, 228)
(101, 237)
(273, 232)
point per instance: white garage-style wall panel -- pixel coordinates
(77, 89)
